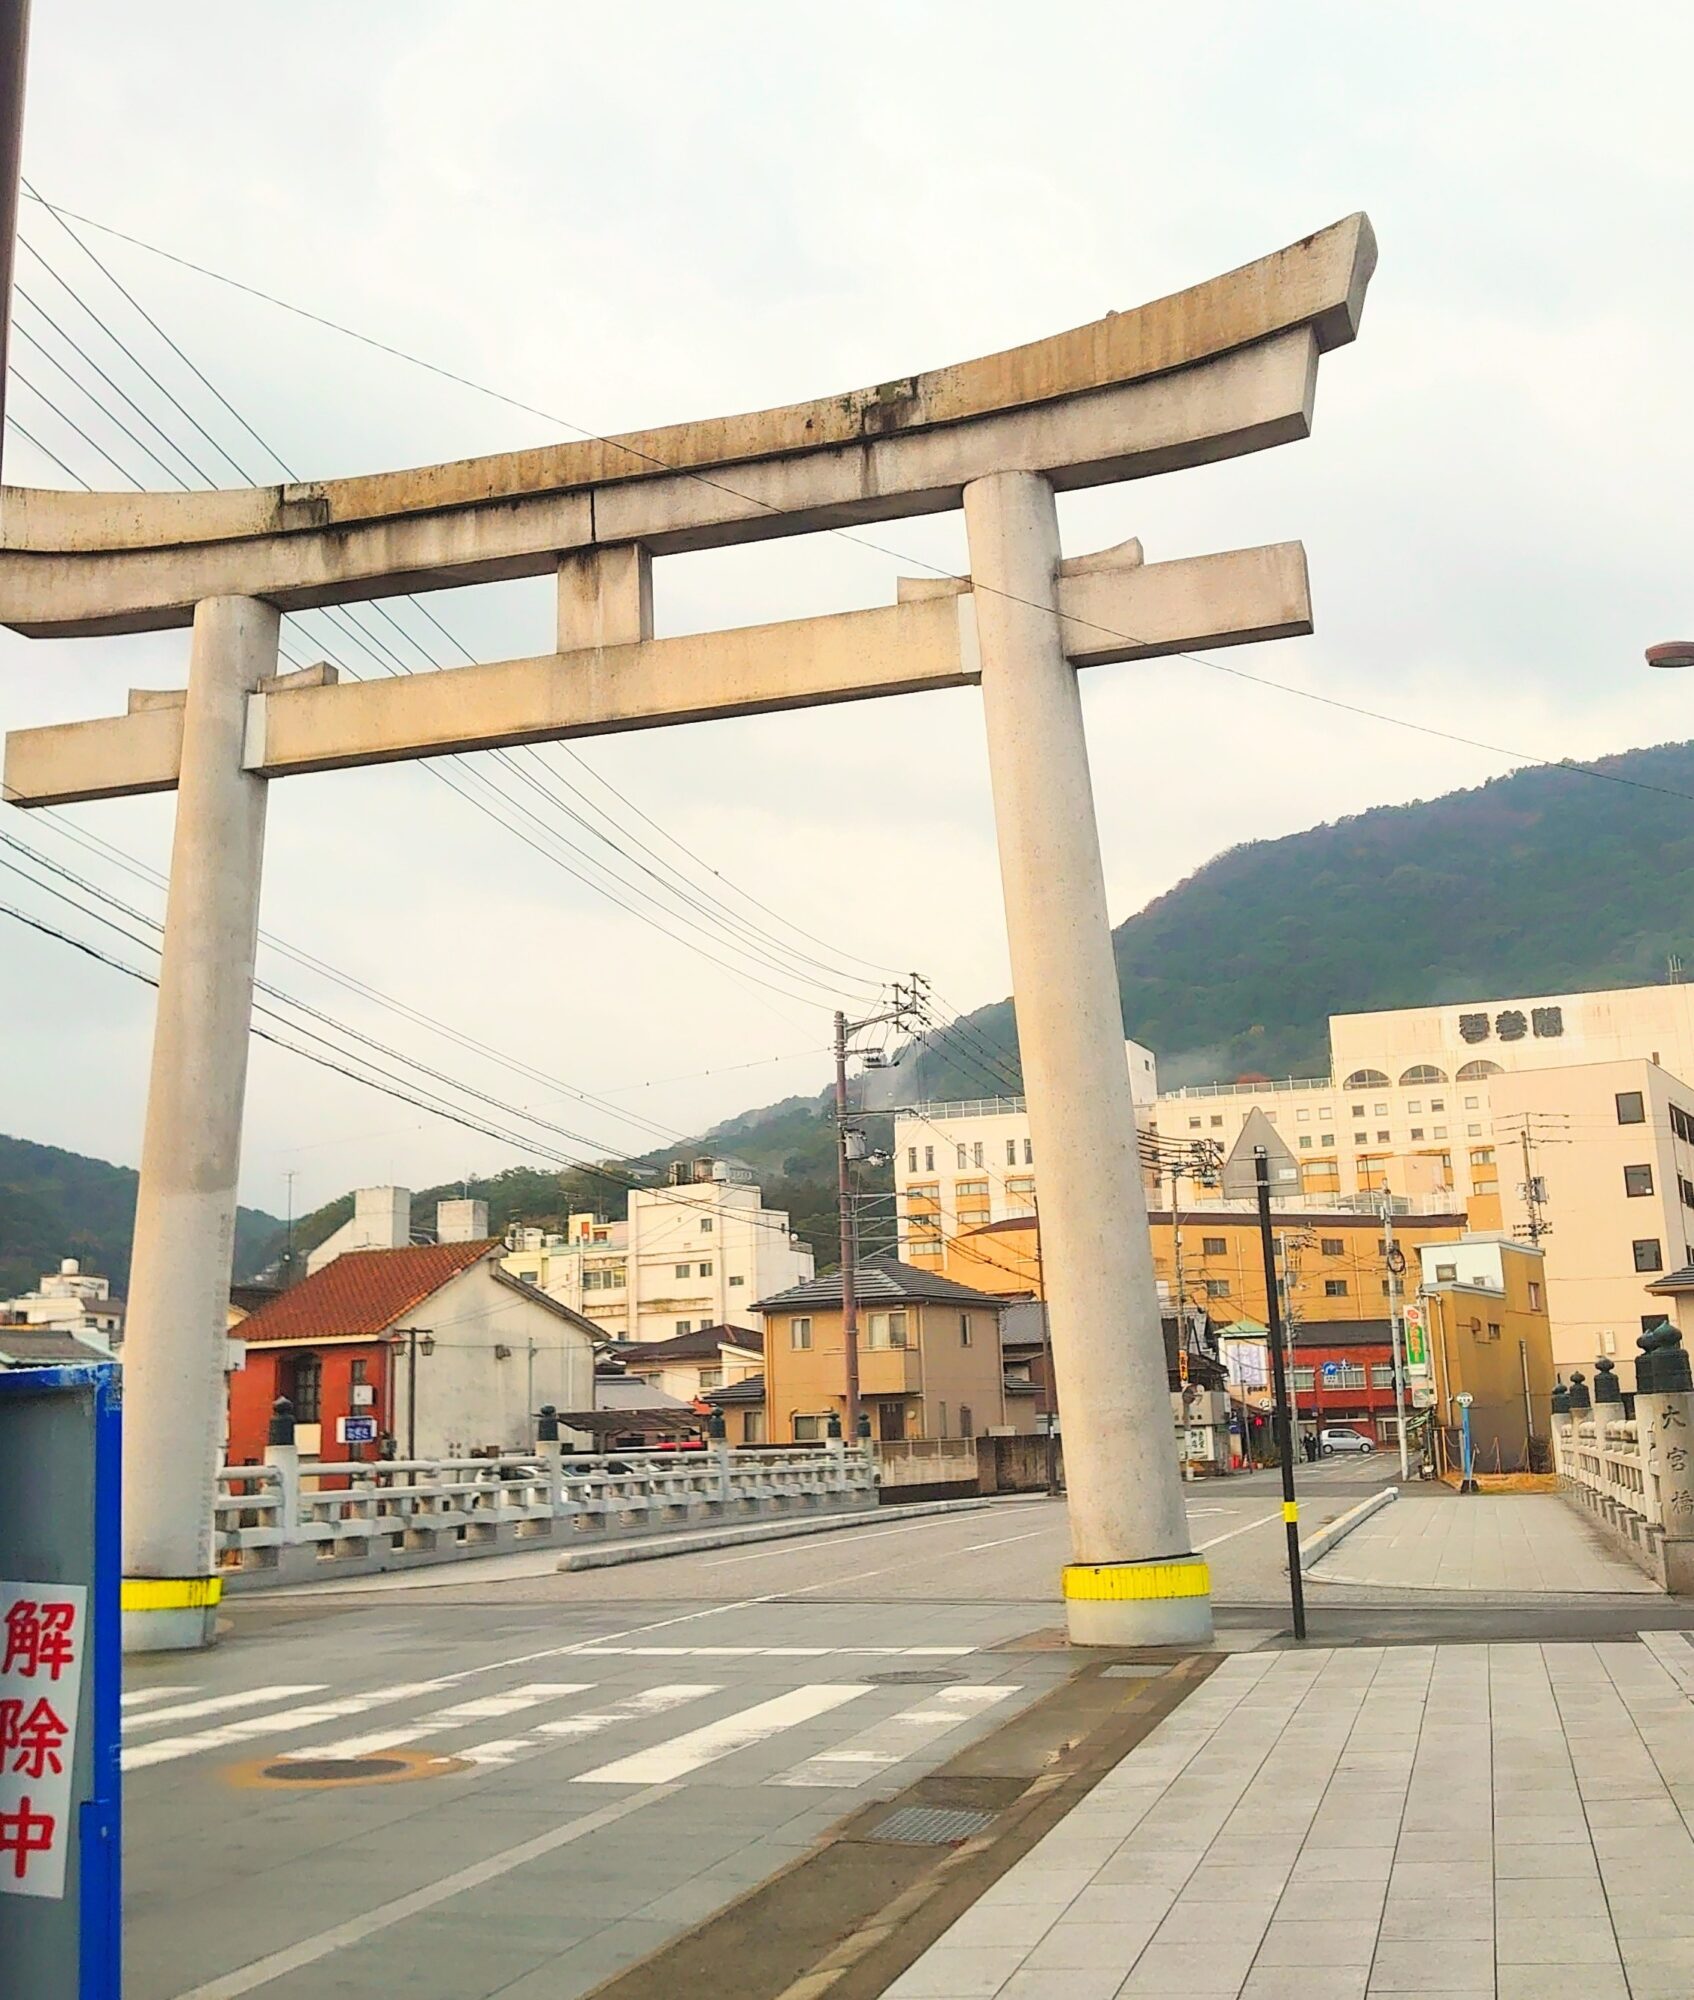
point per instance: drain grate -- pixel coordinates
(316, 1770)
(917, 1677)
(931, 1826)
(1132, 1673)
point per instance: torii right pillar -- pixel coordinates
(1134, 1579)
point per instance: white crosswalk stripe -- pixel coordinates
(665, 1762)
(651, 1701)
(489, 1705)
(140, 1697)
(486, 1709)
(168, 1749)
(768, 1652)
(861, 1757)
(218, 1704)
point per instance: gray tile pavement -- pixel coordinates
(1435, 1539)
(1515, 1821)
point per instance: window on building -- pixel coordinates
(1326, 1138)
(929, 1159)
(1217, 1288)
(1217, 1118)
(970, 1190)
(1193, 1124)
(705, 1225)
(1638, 1180)
(1446, 1274)
(1364, 1079)
(1335, 1288)
(1649, 1256)
(1474, 1072)
(1214, 1246)
(1417, 1131)
(976, 1154)
(705, 1270)
(682, 1326)
(303, 1386)
(920, 1246)
(1382, 1138)
(1651, 1320)
(1632, 1109)
(807, 1430)
(1028, 1154)
(1493, 1329)
(1473, 1131)
(361, 1369)
(1348, 1375)
(1379, 1110)
(967, 1422)
(1534, 1295)
(1414, 1105)
(711, 1378)
(682, 1270)
(964, 1329)
(1681, 1124)
(1302, 1117)
(1358, 1110)
(963, 1157)
(1438, 1131)
(738, 1281)
(529, 1277)
(911, 1159)
(1438, 1104)
(1301, 1378)
(800, 1332)
(886, 1329)
(1472, 1103)
(1482, 1156)
(1382, 1375)
(1332, 1246)
(1011, 1152)
(1361, 1138)
(1422, 1073)
(1685, 1188)
(1306, 1140)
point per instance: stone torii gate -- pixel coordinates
(1226, 367)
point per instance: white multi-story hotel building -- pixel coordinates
(695, 1253)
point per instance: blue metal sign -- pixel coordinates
(358, 1430)
(1331, 1373)
(61, 1669)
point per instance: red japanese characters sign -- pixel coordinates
(43, 1637)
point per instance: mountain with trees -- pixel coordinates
(55, 1204)
(1556, 878)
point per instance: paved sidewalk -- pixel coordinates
(1502, 1820)
(1497, 1542)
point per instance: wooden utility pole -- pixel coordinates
(849, 1250)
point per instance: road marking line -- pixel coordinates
(489, 1706)
(651, 1701)
(884, 1743)
(371, 1744)
(502, 1750)
(1242, 1530)
(683, 1754)
(138, 1696)
(295, 1956)
(217, 1703)
(168, 1749)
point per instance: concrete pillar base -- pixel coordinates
(170, 1614)
(1139, 1604)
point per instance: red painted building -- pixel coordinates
(1351, 1379)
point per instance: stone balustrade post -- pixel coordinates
(1664, 1411)
(724, 1466)
(283, 1454)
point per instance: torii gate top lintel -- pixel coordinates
(1220, 368)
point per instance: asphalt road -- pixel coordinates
(497, 1782)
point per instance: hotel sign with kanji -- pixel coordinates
(43, 1648)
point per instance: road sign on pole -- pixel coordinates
(60, 1673)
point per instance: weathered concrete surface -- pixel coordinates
(1111, 610)
(1224, 367)
(1108, 1349)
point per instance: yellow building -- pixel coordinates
(1333, 1260)
(929, 1356)
(1485, 1305)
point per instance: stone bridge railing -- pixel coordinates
(293, 1521)
(1635, 1474)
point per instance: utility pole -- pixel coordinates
(288, 1241)
(14, 61)
(908, 1008)
(1534, 1191)
(1290, 1320)
(1396, 1261)
(1279, 1382)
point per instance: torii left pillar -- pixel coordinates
(175, 1339)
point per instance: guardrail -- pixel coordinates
(292, 1520)
(1634, 1474)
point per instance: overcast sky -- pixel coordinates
(650, 212)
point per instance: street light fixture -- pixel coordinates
(1671, 653)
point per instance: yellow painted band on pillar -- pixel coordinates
(1120, 1581)
(170, 1593)
(1291, 1510)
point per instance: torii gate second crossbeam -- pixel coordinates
(1226, 367)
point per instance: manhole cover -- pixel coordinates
(931, 1826)
(1132, 1673)
(321, 1770)
(917, 1677)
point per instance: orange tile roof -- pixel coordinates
(362, 1292)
